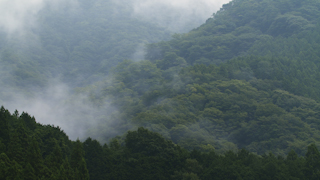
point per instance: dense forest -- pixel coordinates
(236, 98)
(238, 81)
(31, 151)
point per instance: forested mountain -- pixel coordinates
(282, 30)
(247, 78)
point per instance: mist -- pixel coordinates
(177, 15)
(17, 17)
(56, 103)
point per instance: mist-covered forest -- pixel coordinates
(229, 95)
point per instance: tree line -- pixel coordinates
(30, 150)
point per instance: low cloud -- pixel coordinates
(19, 16)
(177, 15)
(58, 105)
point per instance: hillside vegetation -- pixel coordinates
(236, 98)
(29, 150)
(247, 78)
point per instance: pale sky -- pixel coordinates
(176, 15)
(16, 15)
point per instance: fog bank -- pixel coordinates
(177, 15)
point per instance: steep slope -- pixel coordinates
(202, 107)
(262, 95)
(237, 27)
(285, 30)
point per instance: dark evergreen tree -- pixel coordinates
(312, 170)
(15, 172)
(18, 146)
(29, 121)
(66, 173)
(95, 159)
(29, 173)
(295, 165)
(5, 164)
(34, 157)
(54, 160)
(78, 162)
(4, 127)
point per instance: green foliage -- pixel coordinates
(33, 154)
(78, 162)
(4, 165)
(95, 158)
(147, 155)
(202, 105)
(312, 162)
(247, 78)
(4, 133)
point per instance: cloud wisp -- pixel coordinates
(20, 16)
(59, 106)
(177, 15)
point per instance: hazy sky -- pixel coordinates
(18, 15)
(177, 15)
(194, 6)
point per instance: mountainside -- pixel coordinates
(284, 30)
(247, 78)
(236, 98)
(239, 28)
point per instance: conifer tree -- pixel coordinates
(15, 149)
(34, 157)
(312, 162)
(29, 173)
(45, 173)
(94, 157)
(29, 121)
(15, 172)
(4, 166)
(54, 160)
(66, 173)
(294, 164)
(2, 147)
(78, 162)
(4, 128)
